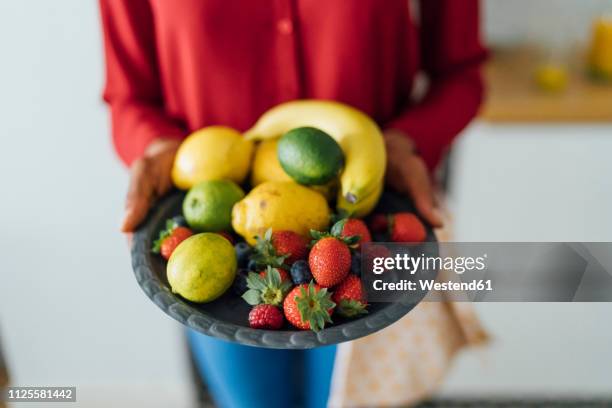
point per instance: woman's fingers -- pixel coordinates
(408, 173)
(150, 178)
(134, 214)
(421, 191)
(140, 193)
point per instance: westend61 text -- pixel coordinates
(428, 285)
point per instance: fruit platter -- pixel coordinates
(260, 242)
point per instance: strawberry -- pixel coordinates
(267, 288)
(353, 227)
(280, 248)
(170, 237)
(266, 317)
(291, 244)
(284, 276)
(350, 297)
(406, 227)
(379, 223)
(227, 236)
(169, 244)
(329, 261)
(308, 306)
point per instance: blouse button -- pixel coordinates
(284, 26)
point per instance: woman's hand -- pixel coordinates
(150, 178)
(407, 173)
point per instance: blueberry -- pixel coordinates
(240, 284)
(356, 264)
(300, 272)
(180, 221)
(252, 265)
(243, 252)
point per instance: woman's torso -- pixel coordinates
(227, 61)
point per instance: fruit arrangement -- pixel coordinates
(288, 240)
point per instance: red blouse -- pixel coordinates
(174, 66)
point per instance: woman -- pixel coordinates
(176, 66)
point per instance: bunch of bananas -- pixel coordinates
(362, 179)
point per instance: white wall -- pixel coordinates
(535, 183)
(556, 23)
(70, 309)
(72, 313)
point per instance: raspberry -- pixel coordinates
(266, 317)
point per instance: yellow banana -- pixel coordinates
(363, 207)
(357, 134)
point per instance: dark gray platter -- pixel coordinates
(227, 317)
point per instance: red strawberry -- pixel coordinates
(354, 227)
(379, 223)
(350, 297)
(266, 317)
(329, 261)
(308, 306)
(227, 236)
(406, 227)
(163, 244)
(291, 244)
(169, 244)
(284, 276)
(280, 248)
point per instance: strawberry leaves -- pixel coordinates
(270, 289)
(351, 308)
(314, 306)
(339, 215)
(335, 232)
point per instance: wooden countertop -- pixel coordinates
(512, 95)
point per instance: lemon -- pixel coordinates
(266, 166)
(280, 205)
(208, 205)
(202, 267)
(551, 78)
(212, 153)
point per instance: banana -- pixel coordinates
(357, 134)
(363, 207)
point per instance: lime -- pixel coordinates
(310, 156)
(208, 205)
(202, 267)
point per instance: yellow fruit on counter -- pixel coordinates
(551, 77)
(212, 153)
(600, 56)
(266, 166)
(280, 205)
(357, 134)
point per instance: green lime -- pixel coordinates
(208, 205)
(202, 267)
(310, 156)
